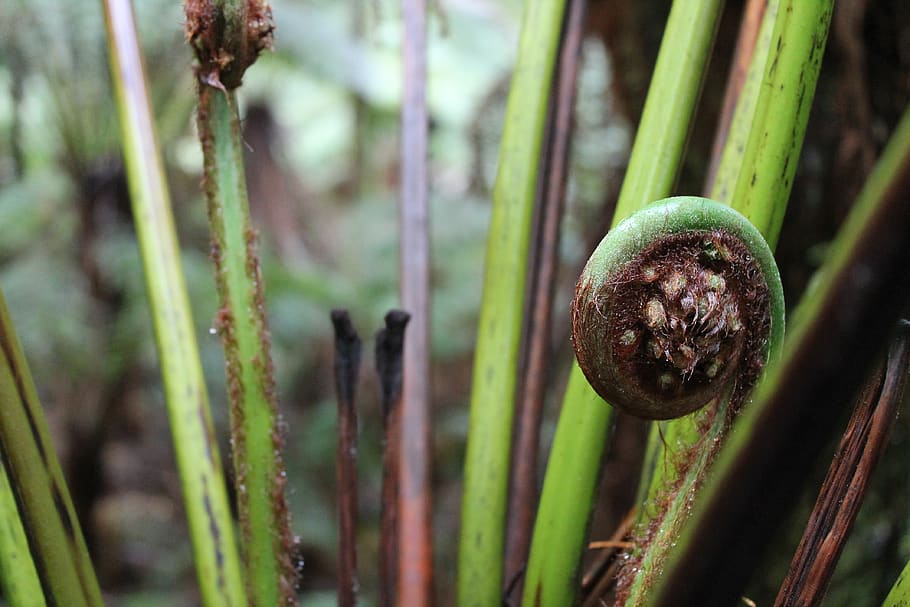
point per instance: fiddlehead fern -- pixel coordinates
(678, 304)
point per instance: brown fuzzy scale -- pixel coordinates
(265, 369)
(666, 333)
(227, 44)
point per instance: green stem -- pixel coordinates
(227, 36)
(56, 541)
(480, 561)
(18, 576)
(658, 473)
(198, 461)
(779, 123)
(564, 507)
(257, 443)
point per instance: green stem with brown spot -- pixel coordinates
(227, 37)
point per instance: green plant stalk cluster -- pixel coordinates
(559, 531)
(59, 552)
(757, 167)
(480, 559)
(202, 481)
(804, 322)
(18, 576)
(257, 443)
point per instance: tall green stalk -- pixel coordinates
(202, 481)
(581, 433)
(227, 36)
(47, 513)
(480, 559)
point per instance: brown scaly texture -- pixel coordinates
(675, 325)
(227, 42)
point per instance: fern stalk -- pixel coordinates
(202, 481)
(227, 36)
(480, 558)
(18, 576)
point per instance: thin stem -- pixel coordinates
(550, 197)
(753, 17)
(198, 461)
(480, 559)
(18, 576)
(415, 565)
(389, 361)
(775, 140)
(347, 363)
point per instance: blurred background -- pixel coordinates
(320, 120)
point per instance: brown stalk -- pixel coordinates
(845, 486)
(389, 347)
(536, 357)
(415, 565)
(742, 57)
(347, 364)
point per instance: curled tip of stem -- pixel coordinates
(227, 38)
(675, 308)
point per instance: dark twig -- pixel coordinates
(415, 566)
(389, 346)
(845, 486)
(549, 205)
(347, 364)
(739, 67)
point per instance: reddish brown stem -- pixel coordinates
(550, 197)
(742, 57)
(347, 364)
(845, 486)
(415, 565)
(389, 347)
